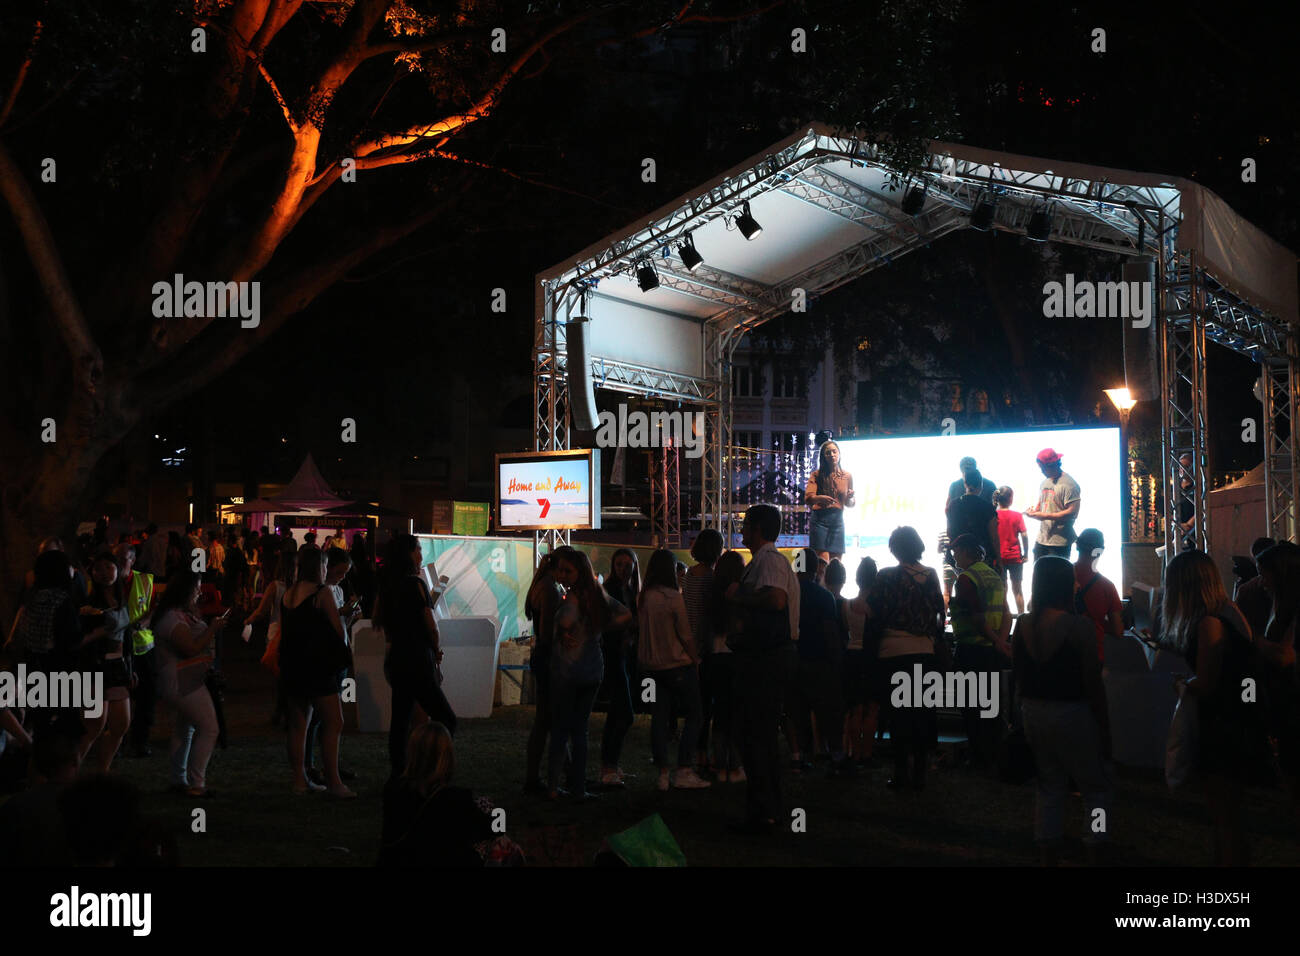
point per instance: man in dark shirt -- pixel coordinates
(972, 514)
(818, 686)
(958, 487)
(1255, 603)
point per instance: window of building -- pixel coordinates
(745, 382)
(787, 384)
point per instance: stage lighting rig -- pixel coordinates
(747, 224)
(1040, 225)
(691, 257)
(914, 199)
(646, 277)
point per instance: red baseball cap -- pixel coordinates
(1048, 456)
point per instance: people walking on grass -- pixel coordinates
(313, 659)
(577, 665)
(1057, 675)
(541, 605)
(185, 647)
(724, 624)
(404, 611)
(669, 659)
(767, 597)
(624, 585)
(862, 710)
(1207, 629)
(110, 655)
(907, 602)
(697, 592)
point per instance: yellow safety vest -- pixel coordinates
(988, 583)
(138, 600)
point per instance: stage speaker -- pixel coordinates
(1141, 344)
(582, 391)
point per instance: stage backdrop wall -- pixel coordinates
(904, 481)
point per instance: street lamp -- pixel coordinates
(1124, 401)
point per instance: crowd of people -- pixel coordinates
(740, 653)
(728, 656)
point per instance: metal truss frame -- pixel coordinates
(1195, 309)
(666, 495)
(1191, 307)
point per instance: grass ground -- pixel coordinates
(960, 819)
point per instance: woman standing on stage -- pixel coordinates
(829, 492)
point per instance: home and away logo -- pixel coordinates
(637, 429)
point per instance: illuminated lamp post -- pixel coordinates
(1124, 401)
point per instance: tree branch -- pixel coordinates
(279, 97)
(8, 105)
(42, 249)
(482, 106)
(207, 358)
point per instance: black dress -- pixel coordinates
(1233, 732)
(436, 831)
(313, 657)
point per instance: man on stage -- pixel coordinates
(1058, 506)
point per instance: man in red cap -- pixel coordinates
(1058, 506)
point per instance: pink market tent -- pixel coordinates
(307, 492)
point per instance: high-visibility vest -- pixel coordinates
(138, 599)
(988, 583)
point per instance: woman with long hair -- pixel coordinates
(427, 821)
(624, 585)
(1063, 705)
(668, 656)
(108, 596)
(1279, 573)
(362, 574)
(829, 492)
(313, 658)
(543, 601)
(724, 621)
(907, 603)
(185, 645)
(697, 592)
(859, 660)
(404, 611)
(577, 664)
(1207, 629)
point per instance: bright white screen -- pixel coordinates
(904, 481)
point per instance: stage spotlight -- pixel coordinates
(690, 256)
(1040, 225)
(747, 224)
(914, 199)
(646, 277)
(981, 217)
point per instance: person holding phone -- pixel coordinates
(185, 643)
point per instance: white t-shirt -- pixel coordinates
(769, 568)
